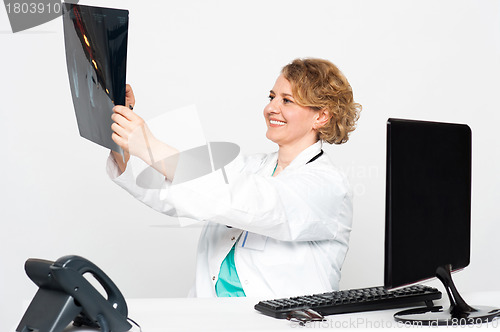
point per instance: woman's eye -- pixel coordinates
(271, 97)
(287, 101)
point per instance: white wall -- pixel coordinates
(426, 59)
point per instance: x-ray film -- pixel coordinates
(96, 56)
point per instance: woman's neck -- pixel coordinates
(287, 153)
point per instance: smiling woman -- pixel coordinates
(281, 224)
(310, 101)
(320, 85)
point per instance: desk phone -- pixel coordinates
(65, 295)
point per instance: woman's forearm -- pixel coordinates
(121, 160)
(160, 156)
(132, 134)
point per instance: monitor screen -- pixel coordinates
(428, 199)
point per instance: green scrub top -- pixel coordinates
(228, 284)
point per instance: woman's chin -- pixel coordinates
(271, 137)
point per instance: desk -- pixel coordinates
(238, 314)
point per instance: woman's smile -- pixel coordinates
(276, 123)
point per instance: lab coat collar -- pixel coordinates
(306, 155)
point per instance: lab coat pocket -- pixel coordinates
(252, 241)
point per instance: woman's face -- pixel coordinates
(287, 122)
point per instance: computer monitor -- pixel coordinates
(428, 214)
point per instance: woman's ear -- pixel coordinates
(322, 118)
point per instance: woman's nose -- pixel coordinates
(272, 107)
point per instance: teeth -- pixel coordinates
(280, 123)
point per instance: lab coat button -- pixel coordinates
(246, 282)
(213, 278)
(233, 238)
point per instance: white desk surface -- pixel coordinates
(238, 314)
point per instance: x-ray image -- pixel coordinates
(96, 56)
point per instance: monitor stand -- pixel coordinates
(459, 312)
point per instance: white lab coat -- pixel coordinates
(298, 222)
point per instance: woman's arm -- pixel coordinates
(132, 134)
(119, 159)
(310, 203)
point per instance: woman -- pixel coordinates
(281, 225)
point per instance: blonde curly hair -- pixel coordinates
(319, 84)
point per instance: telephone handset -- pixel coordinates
(65, 295)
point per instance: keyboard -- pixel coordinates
(352, 300)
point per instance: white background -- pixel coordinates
(427, 59)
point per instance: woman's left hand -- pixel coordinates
(131, 133)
